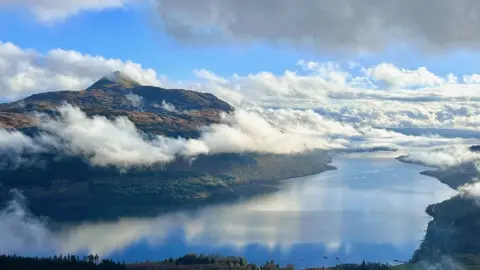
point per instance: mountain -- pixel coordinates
(66, 187)
(149, 108)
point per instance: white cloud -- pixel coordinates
(400, 78)
(251, 132)
(444, 157)
(135, 99)
(472, 79)
(353, 93)
(22, 231)
(168, 106)
(53, 10)
(25, 71)
(470, 190)
(117, 142)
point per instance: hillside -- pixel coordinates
(66, 187)
(453, 232)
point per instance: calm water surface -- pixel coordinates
(369, 209)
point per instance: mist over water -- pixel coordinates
(370, 208)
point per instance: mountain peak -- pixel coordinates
(114, 79)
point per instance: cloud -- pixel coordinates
(49, 11)
(382, 95)
(250, 132)
(168, 106)
(116, 142)
(135, 99)
(16, 149)
(471, 190)
(324, 25)
(25, 71)
(396, 77)
(21, 230)
(444, 157)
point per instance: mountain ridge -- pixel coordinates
(68, 187)
(117, 95)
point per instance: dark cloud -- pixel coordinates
(325, 25)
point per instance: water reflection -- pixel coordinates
(370, 208)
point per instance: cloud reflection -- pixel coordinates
(381, 205)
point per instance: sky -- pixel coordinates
(333, 74)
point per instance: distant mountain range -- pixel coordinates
(68, 187)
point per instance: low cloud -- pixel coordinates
(50, 11)
(117, 142)
(444, 157)
(398, 78)
(113, 142)
(135, 99)
(470, 190)
(168, 106)
(17, 149)
(250, 132)
(20, 230)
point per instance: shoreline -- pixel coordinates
(234, 193)
(450, 237)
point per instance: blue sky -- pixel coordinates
(130, 34)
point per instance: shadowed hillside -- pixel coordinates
(452, 236)
(66, 187)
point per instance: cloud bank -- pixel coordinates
(470, 191)
(49, 11)
(347, 25)
(117, 142)
(444, 157)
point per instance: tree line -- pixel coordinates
(70, 262)
(189, 261)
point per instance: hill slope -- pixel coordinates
(170, 112)
(453, 232)
(68, 187)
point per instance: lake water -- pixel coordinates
(369, 209)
